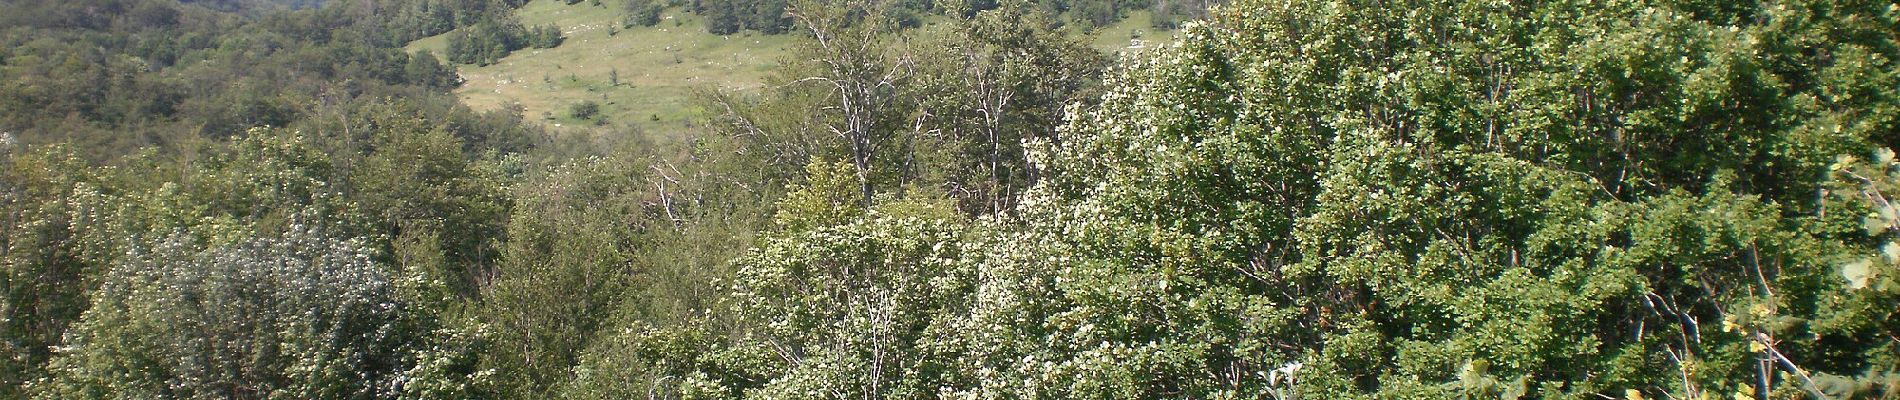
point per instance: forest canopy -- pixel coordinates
(1328, 199)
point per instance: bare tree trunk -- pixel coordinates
(857, 71)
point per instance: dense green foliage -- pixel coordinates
(159, 75)
(1343, 199)
(162, 241)
(416, 19)
(725, 17)
(643, 12)
(488, 41)
(1334, 200)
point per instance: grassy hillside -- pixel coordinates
(658, 68)
(1132, 33)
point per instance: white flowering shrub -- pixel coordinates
(848, 305)
(1457, 199)
(300, 315)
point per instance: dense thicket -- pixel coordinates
(159, 74)
(486, 42)
(415, 19)
(301, 314)
(643, 12)
(207, 205)
(1347, 199)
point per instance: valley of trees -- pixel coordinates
(1438, 199)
